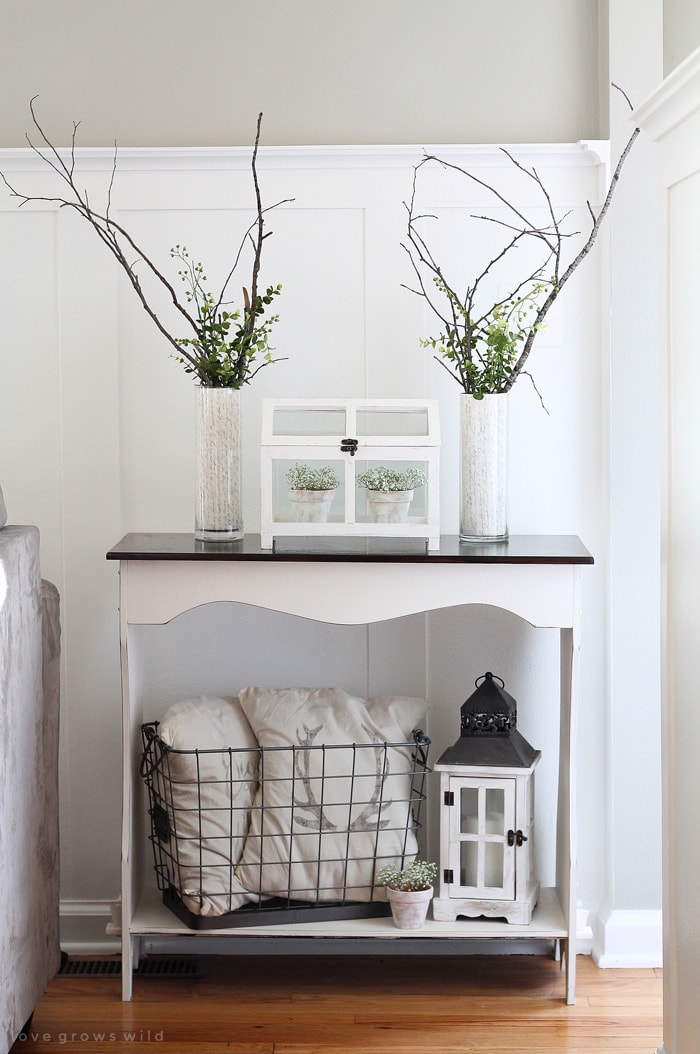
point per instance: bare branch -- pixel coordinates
(241, 247)
(481, 183)
(578, 259)
(539, 393)
(488, 352)
(118, 241)
(622, 93)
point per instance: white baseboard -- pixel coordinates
(628, 939)
(84, 928)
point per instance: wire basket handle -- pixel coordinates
(153, 750)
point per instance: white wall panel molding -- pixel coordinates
(671, 116)
(112, 450)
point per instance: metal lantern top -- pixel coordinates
(488, 732)
(490, 710)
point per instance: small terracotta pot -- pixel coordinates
(389, 506)
(409, 908)
(311, 506)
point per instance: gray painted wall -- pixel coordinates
(176, 73)
(681, 31)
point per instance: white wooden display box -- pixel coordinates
(397, 433)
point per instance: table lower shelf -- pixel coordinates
(153, 919)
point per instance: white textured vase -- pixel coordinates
(218, 502)
(389, 506)
(483, 481)
(409, 908)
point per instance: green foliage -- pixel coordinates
(418, 875)
(482, 353)
(383, 478)
(231, 345)
(303, 477)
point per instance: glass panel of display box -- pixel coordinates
(350, 467)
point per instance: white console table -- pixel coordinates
(535, 577)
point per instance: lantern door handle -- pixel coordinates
(516, 838)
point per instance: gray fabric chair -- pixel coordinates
(29, 721)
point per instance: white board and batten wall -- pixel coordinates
(671, 118)
(101, 424)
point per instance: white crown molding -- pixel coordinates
(675, 100)
(139, 159)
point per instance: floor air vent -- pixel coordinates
(147, 968)
(90, 968)
(172, 968)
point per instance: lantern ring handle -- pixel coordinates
(488, 677)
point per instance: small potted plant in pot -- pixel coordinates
(409, 892)
(311, 492)
(390, 491)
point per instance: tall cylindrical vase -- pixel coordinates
(483, 468)
(218, 501)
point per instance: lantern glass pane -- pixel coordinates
(469, 810)
(493, 869)
(495, 810)
(468, 863)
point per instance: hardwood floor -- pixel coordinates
(490, 1004)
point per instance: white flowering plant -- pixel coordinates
(303, 477)
(388, 479)
(417, 876)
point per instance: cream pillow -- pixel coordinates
(326, 816)
(208, 798)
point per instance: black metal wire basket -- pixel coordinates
(276, 835)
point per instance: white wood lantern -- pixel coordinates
(349, 437)
(487, 797)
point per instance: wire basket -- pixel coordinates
(270, 835)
